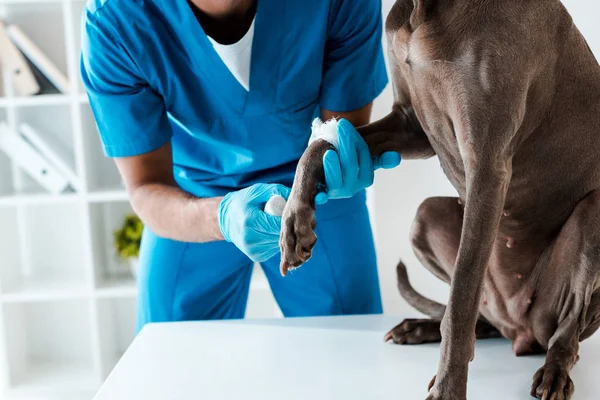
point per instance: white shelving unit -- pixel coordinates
(67, 305)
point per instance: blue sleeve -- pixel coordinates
(354, 70)
(131, 118)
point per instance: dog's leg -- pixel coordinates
(435, 237)
(552, 381)
(576, 260)
(592, 320)
(487, 183)
(484, 139)
(399, 132)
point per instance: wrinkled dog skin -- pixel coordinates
(507, 95)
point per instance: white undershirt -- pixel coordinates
(237, 56)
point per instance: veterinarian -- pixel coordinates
(206, 107)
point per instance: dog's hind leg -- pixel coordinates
(552, 381)
(575, 263)
(419, 331)
(435, 235)
(435, 238)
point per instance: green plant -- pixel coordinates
(129, 237)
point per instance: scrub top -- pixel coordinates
(152, 75)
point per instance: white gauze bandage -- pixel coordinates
(275, 206)
(326, 131)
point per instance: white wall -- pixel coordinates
(398, 193)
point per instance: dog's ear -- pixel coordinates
(421, 12)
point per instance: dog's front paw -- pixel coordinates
(446, 389)
(445, 396)
(415, 331)
(297, 236)
(552, 382)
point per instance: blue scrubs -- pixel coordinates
(152, 76)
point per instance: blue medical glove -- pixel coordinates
(350, 169)
(244, 223)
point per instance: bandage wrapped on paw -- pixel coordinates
(320, 130)
(325, 130)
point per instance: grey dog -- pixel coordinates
(507, 94)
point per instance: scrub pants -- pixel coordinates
(190, 281)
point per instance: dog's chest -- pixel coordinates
(506, 300)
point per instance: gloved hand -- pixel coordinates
(244, 223)
(350, 169)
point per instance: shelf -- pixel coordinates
(40, 100)
(117, 321)
(44, 25)
(55, 242)
(49, 382)
(6, 181)
(20, 2)
(78, 7)
(66, 301)
(7, 184)
(53, 125)
(39, 199)
(48, 254)
(117, 288)
(103, 174)
(49, 348)
(9, 244)
(105, 219)
(50, 289)
(108, 196)
(117, 195)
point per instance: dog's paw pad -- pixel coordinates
(297, 237)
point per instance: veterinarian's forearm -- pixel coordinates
(359, 117)
(174, 214)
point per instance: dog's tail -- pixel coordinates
(422, 304)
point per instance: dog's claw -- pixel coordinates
(285, 266)
(552, 382)
(545, 395)
(431, 383)
(387, 337)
